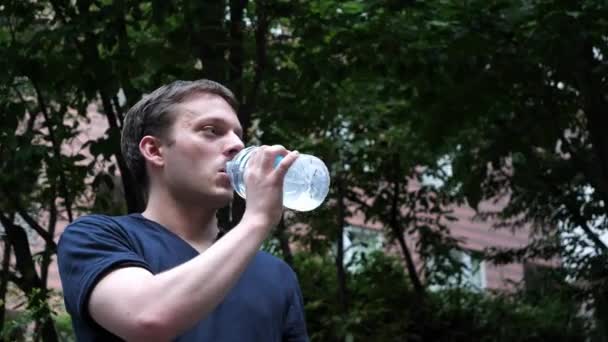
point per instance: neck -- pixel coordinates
(196, 224)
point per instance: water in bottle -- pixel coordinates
(305, 186)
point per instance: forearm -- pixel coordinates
(160, 307)
(187, 293)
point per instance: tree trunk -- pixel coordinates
(594, 107)
(341, 272)
(90, 54)
(6, 258)
(283, 236)
(206, 20)
(398, 232)
(396, 228)
(56, 146)
(30, 282)
(248, 99)
(133, 195)
(49, 249)
(131, 93)
(236, 57)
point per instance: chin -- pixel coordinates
(220, 200)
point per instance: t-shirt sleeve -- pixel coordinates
(294, 329)
(89, 248)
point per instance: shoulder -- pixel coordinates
(103, 222)
(93, 220)
(89, 223)
(94, 227)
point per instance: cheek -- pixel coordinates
(184, 154)
(181, 166)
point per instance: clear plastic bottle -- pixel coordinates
(305, 186)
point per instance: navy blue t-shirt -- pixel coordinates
(264, 305)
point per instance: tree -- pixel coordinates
(41, 183)
(337, 91)
(514, 92)
(385, 92)
(63, 56)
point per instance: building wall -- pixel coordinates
(476, 235)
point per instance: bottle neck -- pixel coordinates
(243, 156)
(236, 169)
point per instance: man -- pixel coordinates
(163, 275)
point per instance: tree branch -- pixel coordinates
(398, 231)
(261, 32)
(56, 149)
(50, 248)
(4, 277)
(582, 223)
(90, 54)
(45, 235)
(341, 272)
(281, 234)
(235, 65)
(25, 264)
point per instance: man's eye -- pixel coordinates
(209, 129)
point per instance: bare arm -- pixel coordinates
(137, 305)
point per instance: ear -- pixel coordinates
(151, 149)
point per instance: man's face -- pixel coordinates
(206, 133)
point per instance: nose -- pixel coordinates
(234, 146)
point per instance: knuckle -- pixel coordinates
(277, 148)
(263, 149)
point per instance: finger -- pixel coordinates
(286, 163)
(257, 157)
(273, 153)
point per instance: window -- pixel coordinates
(358, 244)
(472, 275)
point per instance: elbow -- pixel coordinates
(150, 328)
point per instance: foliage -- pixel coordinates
(384, 309)
(63, 324)
(488, 98)
(497, 69)
(18, 323)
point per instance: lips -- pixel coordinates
(223, 166)
(224, 178)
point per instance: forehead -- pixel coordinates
(202, 107)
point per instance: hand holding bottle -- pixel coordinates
(264, 182)
(306, 183)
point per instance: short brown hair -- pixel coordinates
(153, 115)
